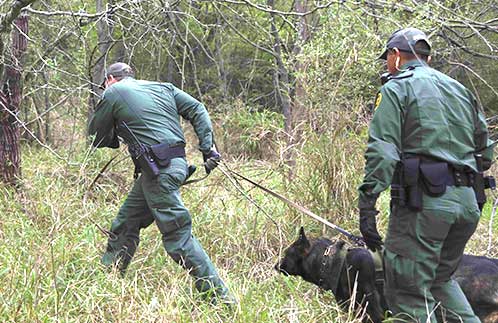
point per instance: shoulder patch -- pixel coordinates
(378, 100)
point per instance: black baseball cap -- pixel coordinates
(118, 69)
(405, 40)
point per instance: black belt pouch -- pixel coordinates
(163, 153)
(412, 183)
(434, 178)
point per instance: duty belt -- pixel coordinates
(149, 159)
(418, 175)
(453, 177)
(164, 153)
(459, 178)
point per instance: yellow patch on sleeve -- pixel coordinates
(378, 100)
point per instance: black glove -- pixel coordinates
(368, 228)
(211, 160)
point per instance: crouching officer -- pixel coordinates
(424, 137)
(147, 116)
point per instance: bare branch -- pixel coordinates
(229, 24)
(278, 12)
(13, 13)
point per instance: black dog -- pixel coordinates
(330, 266)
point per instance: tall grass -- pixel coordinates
(51, 246)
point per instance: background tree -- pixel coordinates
(10, 97)
(256, 55)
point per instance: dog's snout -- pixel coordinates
(280, 267)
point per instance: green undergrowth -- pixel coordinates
(51, 249)
(249, 132)
(51, 244)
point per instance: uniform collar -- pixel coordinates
(412, 63)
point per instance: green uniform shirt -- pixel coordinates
(422, 112)
(152, 111)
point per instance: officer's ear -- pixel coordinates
(395, 51)
(110, 80)
(397, 59)
(429, 58)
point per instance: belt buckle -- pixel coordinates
(328, 251)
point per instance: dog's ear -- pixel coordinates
(303, 240)
(302, 235)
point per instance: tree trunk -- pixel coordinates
(293, 110)
(218, 43)
(10, 99)
(96, 68)
(299, 112)
(104, 44)
(282, 86)
(47, 109)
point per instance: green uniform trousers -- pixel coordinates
(423, 250)
(159, 199)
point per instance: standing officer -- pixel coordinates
(147, 116)
(423, 139)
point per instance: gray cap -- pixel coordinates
(405, 40)
(118, 69)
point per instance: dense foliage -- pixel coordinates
(227, 51)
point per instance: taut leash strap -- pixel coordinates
(355, 239)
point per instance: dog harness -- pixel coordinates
(334, 258)
(333, 261)
(379, 267)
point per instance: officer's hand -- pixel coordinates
(368, 228)
(211, 160)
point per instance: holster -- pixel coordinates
(143, 160)
(479, 190)
(481, 182)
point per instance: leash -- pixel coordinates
(355, 239)
(191, 171)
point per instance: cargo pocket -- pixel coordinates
(473, 213)
(162, 192)
(433, 225)
(400, 272)
(172, 177)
